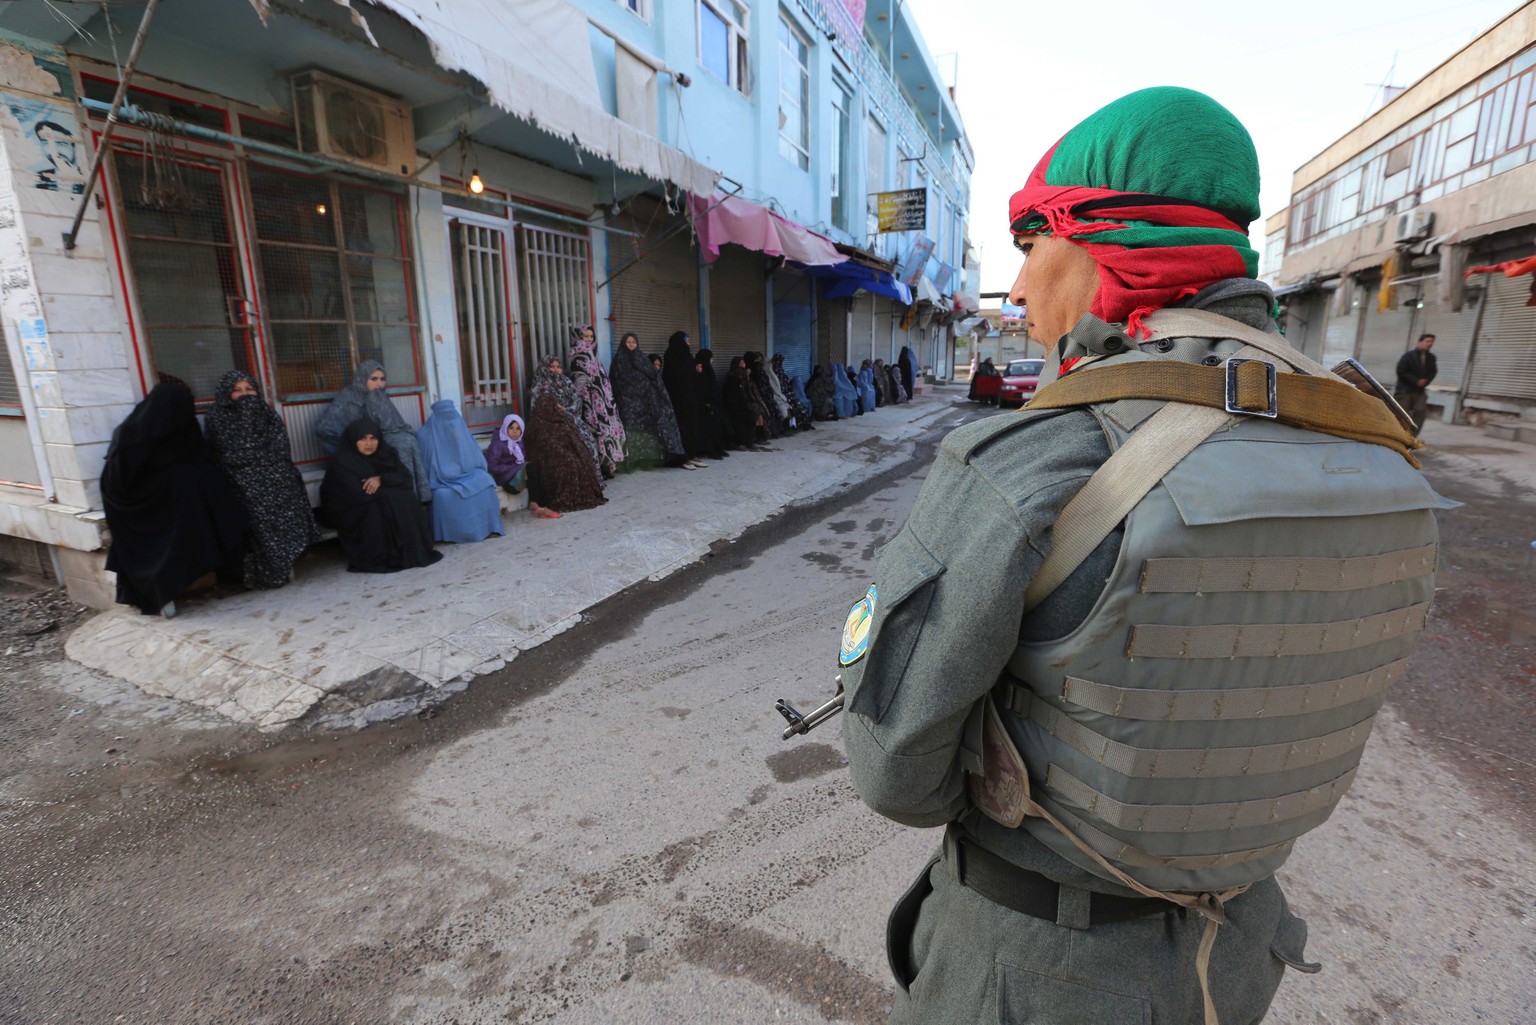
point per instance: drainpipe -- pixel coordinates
(106, 133)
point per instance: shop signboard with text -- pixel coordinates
(903, 210)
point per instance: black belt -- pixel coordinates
(1030, 893)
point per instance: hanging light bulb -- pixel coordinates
(475, 184)
(320, 209)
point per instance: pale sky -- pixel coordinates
(1298, 75)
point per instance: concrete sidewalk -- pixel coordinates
(346, 649)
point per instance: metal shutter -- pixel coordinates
(1453, 340)
(794, 326)
(1339, 339)
(659, 294)
(888, 314)
(831, 329)
(1304, 325)
(1385, 340)
(860, 344)
(1504, 362)
(738, 306)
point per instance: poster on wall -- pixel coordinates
(903, 210)
(915, 262)
(44, 151)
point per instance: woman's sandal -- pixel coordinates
(546, 514)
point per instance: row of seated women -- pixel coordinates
(182, 502)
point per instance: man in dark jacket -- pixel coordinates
(1414, 372)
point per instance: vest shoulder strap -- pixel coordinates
(1134, 469)
(1179, 323)
(1117, 486)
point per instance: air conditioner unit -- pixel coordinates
(344, 121)
(1413, 225)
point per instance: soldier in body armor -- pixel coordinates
(1127, 690)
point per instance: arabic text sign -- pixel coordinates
(906, 210)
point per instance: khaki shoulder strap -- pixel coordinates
(1115, 487)
(1176, 323)
(1154, 448)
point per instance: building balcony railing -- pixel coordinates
(882, 90)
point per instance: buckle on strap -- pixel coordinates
(1240, 397)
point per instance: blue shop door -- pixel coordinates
(794, 322)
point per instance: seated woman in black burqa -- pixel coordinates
(370, 498)
(171, 512)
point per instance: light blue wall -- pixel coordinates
(738, 134)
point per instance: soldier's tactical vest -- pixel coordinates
(1215, 704)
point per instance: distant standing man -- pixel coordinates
(1414, 372)
(1125, 694)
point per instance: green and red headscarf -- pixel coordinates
(1159, 187)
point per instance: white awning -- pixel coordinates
(534, 58)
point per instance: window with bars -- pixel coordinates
(336, 280)
(10, 391)
(553, 269)
(486, 364)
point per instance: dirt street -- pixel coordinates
(610, 830)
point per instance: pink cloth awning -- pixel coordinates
(720, 219)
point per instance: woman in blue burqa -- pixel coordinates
(845, 397)
(464, 503)
(365, 398)
(868, 396)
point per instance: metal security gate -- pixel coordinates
(554, 270)
(1343, 328)
(656, 291)
(861, 339)
(486, 361)
(1504, 362)
(1385, 339)
(1453, 340)
(738, 306)
(831, 329)
(794, 326)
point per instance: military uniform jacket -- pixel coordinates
(949, 619)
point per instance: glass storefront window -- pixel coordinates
(185, 271)
(336, 280)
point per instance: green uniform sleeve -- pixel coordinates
(949, 599)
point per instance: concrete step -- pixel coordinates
(1517, 430)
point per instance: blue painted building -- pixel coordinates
(448, 186)
(808, 109)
